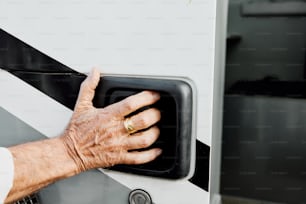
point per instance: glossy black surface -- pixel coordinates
(264, 49)
(278, 8)
(201, 174)
(264, 148)
(175, 125)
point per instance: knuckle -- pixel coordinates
(110, 136)
(145, 142)
(143, 122)
(122, 158)
(128, 105)
(134, 160)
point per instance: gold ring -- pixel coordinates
(128, 126)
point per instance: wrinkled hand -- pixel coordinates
(98, 138)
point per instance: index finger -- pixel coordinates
(134, 102)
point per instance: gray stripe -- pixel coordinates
(90, 187)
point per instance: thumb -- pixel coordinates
(88, 86)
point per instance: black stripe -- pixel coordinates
(18, 56)
(201, 174)
(62, 84)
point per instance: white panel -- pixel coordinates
(162, 190)
(50, 118)
(218, 92)
(142, 37)
(31, 106)
(148, 37)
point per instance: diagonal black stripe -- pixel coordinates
(201, 174)
(18, 56)
(62, 87)
(62, 84)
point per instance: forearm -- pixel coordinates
(38, 164)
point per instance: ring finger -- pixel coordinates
(143, 119)
(142, 139)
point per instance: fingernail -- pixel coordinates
(91, 73)
(156, 95)
(158, 152)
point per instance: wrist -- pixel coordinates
(63, 157)
(72, 153)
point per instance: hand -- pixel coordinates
(98, 138)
